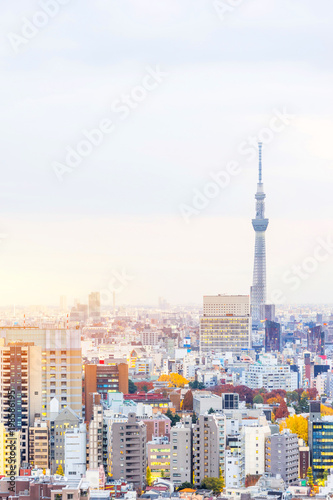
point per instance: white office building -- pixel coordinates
(76, 452)
(226, 324)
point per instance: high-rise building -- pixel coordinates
(320, 440)
(181, 452)
(61, 360)
(316, 340)
(267, 312)
(282, 455)
(272, 336)
(226, 324)
(75, 452)
(95, 306)
(258, 289)
(128, 455)
(21, 376)
(209, 439)
(255, 438)
(39, 445)
(95, 439)
(103, 379)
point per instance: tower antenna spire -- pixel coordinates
(260, 163)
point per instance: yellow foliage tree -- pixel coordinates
(326, 410)
(174, 379)
(297, 425)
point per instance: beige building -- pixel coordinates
(61, 364)
(158, 455)
(255, 439)
(181, 452)
(95, 439)
(226, 324)
(39, 445)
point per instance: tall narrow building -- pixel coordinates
(258, 289)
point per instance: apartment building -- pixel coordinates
(209, 440)
(282, 455)
(39, 445)
(181, 452)
(128, 445)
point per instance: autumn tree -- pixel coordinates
(149, 479)
(144, 386)
(60, 470)
(310, 477)
(282, 410)
(174, 379)
(297, 425)
(326, 410)
(188, 401)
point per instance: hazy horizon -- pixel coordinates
(215, 89)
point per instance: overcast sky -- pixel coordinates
(222, 74)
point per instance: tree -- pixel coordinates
(196, 385)
(297, 425)
(292, 397)
(211, 410)
(60, 470)
(326, 410)
(310, 477)
(213, 483)
(282, 410)
(174, 379)
(258, 399)
(174, 418)
(144, 386)
(194, 418)
(312, 393)
(149, 479)
(188, 401)
(132, 388)
(185, 485)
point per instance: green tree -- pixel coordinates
(213, 483)
(174, 418)
(194, 418)
(149, 479)
(132, 388)
(185, 485)
(196, 385)
(210, 411)
(258, 399)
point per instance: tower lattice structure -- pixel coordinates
(258, 289)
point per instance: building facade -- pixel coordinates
(226, 324)
(128, 445)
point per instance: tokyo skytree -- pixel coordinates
(258, 289)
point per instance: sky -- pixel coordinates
(182, 91)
